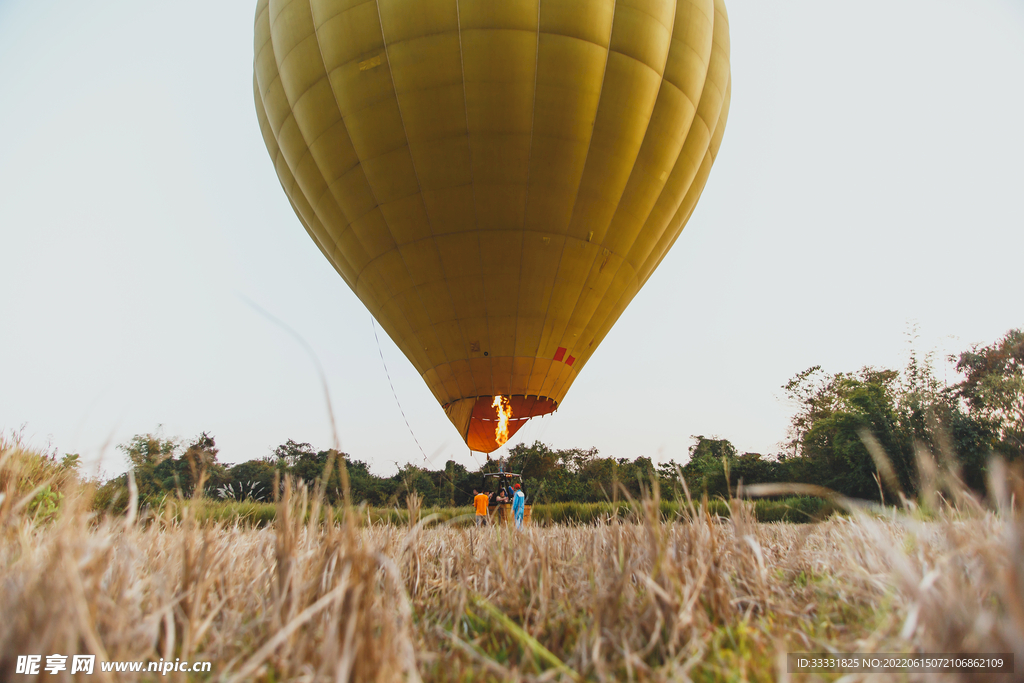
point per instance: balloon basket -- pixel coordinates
(502, 514)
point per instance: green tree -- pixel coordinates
(637, 476)
(290, 452)
(668, 477)
(148, 449)
(252, 479)
(573, 474)
(754, 468)
(367, 487)
(937, 418)
(147, 452)
(199, 461)
(705, 470)
(533, 462)
(455, 484)
(159, 470)
(993, 390)
(825, 433)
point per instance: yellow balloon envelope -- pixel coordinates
(495, 179)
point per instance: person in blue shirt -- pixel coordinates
(518, 506)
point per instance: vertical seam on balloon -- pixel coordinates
(675, 211)
(682, 146)
(281, 157)
(713, 155)
(276, 158)
(612, 276)
(581, 360)
(637, 271)
(597, 330)
(711, 135)
(472, 180)
(294, 177)
(328, 190)
(419, 187)
(526, 209)
(448, 286)
(327, 75)
(700, 98)
(648, 126)
(604, 327)
(597, 257)
(269, 44)
(707, 64)
(566, 238)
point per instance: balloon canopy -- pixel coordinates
(494, 179)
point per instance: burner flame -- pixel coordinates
(504, 411)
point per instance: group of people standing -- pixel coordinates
(503, 496)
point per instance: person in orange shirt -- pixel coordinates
(480, 501)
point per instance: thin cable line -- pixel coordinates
(373, 323)
(419, 191)
(444, 472)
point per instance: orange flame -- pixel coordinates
(504, 410)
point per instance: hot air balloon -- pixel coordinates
(494, 179)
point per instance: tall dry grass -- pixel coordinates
(701, 598)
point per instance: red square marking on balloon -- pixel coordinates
(560, 353)
(570, 360)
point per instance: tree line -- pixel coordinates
(836, 416)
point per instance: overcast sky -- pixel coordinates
(870, 179)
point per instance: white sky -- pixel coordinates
(870, 177)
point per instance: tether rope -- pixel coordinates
(395, 393)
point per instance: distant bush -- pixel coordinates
(44, 477)
(22, 469)
(245, 513)
(802, 509)
(112, 497)
(793, 510)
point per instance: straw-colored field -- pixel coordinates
(701, 598)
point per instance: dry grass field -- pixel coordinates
(700, 598)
